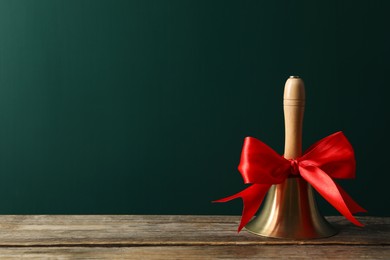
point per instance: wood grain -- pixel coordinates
(200, 252)
(173, 237)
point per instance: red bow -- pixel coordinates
(331, 157)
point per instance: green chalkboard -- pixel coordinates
(141, 107)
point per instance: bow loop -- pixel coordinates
(332, 154)
(261, 164)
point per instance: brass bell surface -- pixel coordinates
(290, 209)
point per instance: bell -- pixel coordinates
(290, 209)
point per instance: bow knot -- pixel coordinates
(294, 166)
(331, 157)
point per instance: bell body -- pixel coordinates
(290, 211)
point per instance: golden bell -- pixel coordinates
(290, 209)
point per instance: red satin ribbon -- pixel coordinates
(331, 157)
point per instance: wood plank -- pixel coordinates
(201, 252)
(157, 230)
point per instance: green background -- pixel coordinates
(141, 107)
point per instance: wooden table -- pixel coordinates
(177, 237)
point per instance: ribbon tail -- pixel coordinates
(352, 205)
(252, 198)
(328, 189)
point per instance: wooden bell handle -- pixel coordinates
(293, 105)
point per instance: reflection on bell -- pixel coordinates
(290, 211)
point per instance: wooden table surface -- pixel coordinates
(177, 237)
